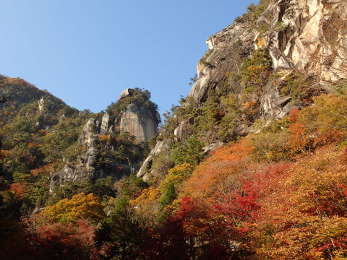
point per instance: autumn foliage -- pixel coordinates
(80, 206)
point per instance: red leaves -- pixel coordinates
(64, 241)
(343, 189)
(243, 204)
(186, 209)
(70, 235)
(239, 206)
(339, 244)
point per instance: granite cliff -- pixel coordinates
(274, 58)
(129, 124)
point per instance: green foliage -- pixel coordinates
(162, 162)
(253, 13)
(130, 186)
(341, 87)
(101, 187)
(272, 143)
(209, 114)
(61, 140)
(231, 111)
(171, 183)
(299, 87)
(256, 70)
(168, 195)
(188, 152)
(116, 153)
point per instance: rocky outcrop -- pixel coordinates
(84, 167)
(135, 120)
(302, 37)
(139, 123)
(105, 124)
(226, 51)
(146, 171)
(308, 35)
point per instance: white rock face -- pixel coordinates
(41, 104)
(138, 123)
(105, 123)
(313, 39)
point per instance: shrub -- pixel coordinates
(255, 71)
(80, 206)
(188, 152)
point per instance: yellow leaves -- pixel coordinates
(147, 203)
(176, 176)
(149, 194)
(80, 206)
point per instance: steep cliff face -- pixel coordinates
(138, 122)
(277, 56)
(112, 143)
(309, 36)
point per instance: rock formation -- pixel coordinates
(309, 36)
(135, 120)
(139, 123)
(301, 37)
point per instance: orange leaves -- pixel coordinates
(293, 115)
(306, 210)
(18, 189)
(232, 152)
(298, 140)
(44, 169)
(104, 138)
(224, 163)
(343, 189)
(5, 153)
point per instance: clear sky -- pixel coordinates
(87, 51)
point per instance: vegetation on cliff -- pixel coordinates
(253, 167)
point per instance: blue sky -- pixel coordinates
(87, 51)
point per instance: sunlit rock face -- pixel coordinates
(310, 36)
(139, 123)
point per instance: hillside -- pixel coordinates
(252, 164)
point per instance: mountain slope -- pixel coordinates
(251, 165)
(276, 57)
